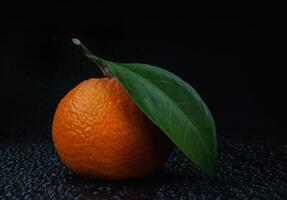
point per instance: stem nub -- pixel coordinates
(99, 62)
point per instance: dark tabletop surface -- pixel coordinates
(246, 169)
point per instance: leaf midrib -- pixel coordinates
(207, 152)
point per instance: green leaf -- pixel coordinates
(173, 105)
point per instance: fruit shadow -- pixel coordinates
(140, 188)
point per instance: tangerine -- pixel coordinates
(99, 132)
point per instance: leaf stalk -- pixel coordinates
(99, 61)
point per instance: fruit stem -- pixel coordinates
(99, 61)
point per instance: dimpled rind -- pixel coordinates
(98, 131)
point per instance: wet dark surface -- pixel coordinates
(246, 169)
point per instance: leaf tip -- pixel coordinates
(211, 173)
(210, 170)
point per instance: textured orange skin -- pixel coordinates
(99, 132)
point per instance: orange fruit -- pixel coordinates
(99, 132)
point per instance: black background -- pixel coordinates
(235, 61)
